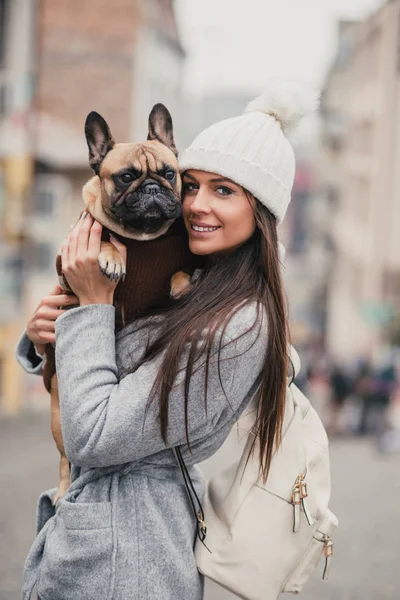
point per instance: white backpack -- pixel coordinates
(259, 540)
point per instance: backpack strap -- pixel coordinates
(294, 359)
(192, 495)
(300, 400)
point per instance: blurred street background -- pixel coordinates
(60, 59)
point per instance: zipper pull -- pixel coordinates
(296, 501)
(201, 524)
(328, 553)
(299, 495)
(303, 496)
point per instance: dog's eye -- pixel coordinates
(169, 174)
(126, 178)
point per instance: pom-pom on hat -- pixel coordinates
(253, 150)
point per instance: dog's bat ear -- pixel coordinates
(99, 139)
(160, 127)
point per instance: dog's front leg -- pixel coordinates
(111, 262)
(180, 284)
(57, 435)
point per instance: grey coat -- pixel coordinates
(125, 529)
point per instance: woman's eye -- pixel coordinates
(189, 187)
(126, 178)
(224, 191)
(170, 174)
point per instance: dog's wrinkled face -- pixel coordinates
(141, 186)
(138, 187)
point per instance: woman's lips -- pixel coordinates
(202, 231)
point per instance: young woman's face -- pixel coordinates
(217, 213)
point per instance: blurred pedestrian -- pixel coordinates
(383, 386)
(363, 391)
(389, 441)
(340, 389)
(375, 386)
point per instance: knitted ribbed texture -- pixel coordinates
(150, 266)
(251, 150)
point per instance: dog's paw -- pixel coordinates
(111, 262)
(180, 284)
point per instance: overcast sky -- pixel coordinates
(239, 44)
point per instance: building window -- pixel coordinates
(391, 284)
(2, 193)
(398, 44)
(332, 194)
(42, 256)
(3, 99)
(2, 377)
(3, 29)
(299, 223)
(11, 281)
(44, 202)
(45, 256)
(50, 193)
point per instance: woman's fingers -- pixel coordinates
(46, 337)
(72, 239)
(94, 242)
(43, 326)
(56, 291)
(65, 253)
(82, 243)
(49, 314)
(40, 327)
(43, 321)
(39, 330)
(83, 233)
(60, 300)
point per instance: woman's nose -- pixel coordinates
(200, 202)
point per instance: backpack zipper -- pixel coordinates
(328, 553)
(299, 496)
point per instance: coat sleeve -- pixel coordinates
(26, 356)
(108, 421)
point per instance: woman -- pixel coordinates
(182, 378)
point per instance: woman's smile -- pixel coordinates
(202, 229)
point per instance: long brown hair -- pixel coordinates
(252, 272)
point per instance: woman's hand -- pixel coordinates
(40, 328)
(80, 262)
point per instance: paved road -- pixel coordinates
(366, 495)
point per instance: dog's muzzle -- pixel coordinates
(147, 208)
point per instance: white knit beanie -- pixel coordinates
(253, 149)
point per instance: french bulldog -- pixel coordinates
(136, 195)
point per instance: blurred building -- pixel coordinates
(307, 263)
(360, 179)
(60, 59)
(201, 112)
(16, 168)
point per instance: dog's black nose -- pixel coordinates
(151, 187)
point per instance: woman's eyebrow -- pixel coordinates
(214, 180)
(220, 179)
